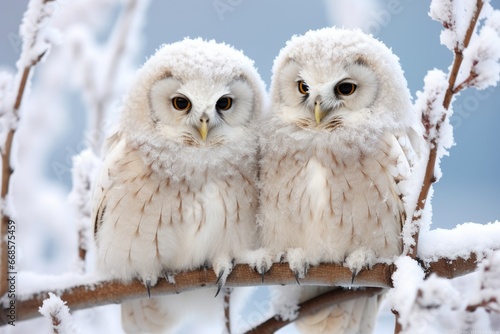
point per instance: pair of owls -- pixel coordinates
(200, 172)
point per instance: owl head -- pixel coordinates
(197, 93)
(341, 82)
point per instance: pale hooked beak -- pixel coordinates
(203, 127)
(318, 113)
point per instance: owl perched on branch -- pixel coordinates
(338, 151)
(178, 185)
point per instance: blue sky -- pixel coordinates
(470, 187)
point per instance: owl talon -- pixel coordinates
(218, 290)
(148, 286)
(296, 274)
(262, 272)
(219, 277)
(169, 277)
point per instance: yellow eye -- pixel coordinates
(303, 87)
(181, 103)
(224, 103)
(345, 88)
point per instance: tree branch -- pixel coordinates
(108, 292)
(429, 177)
(315, 305)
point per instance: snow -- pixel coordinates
(37, 34)
(408, 276)
(84, 171)
(429, 104)
(56, 311)
(482, 58)
(436, 305)
(285, 300)
(459, 242)
(6, 103)
(455, 16)
(33, 283)
(489, 287)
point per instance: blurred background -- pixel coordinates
(62, 116)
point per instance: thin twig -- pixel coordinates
(484, 303)
(429, 177)
(315, 305)
(108, 292)
(7, 171)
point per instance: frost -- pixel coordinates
(455, 17)
(435, 117)
(80, 198)
(459, 242)
(285, 301)
(489, 289)
(482, 59)
(437, 305)
(6, 103)
(56, 311)
(406, 280)
(33, 282)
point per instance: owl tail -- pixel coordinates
(146, 316)
(356, 316)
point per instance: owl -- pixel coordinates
(178, 188)
(338, 150)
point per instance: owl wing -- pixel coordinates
(102, 183)
(410, 148)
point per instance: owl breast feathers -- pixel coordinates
(338, 151)
(178, 183)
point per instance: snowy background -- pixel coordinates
(468, 191)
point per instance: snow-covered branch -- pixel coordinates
(434, 102)
(37, 39)
(54, 309)
(83, 173)
(107, 292)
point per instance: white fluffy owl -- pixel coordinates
(338, 151)
(178, 184)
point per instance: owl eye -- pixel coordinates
(224, 103)
(303, 87)
(181, 103)
(345, 88)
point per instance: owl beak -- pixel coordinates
(203, 128)
(318, 113)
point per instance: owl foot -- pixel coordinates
(169, 277)
(222, 268)
(297, 262)
(260, 260)
(359, 259)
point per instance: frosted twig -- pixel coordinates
(24, 70)
(54, 309)
(433, 140)
(84, 167)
